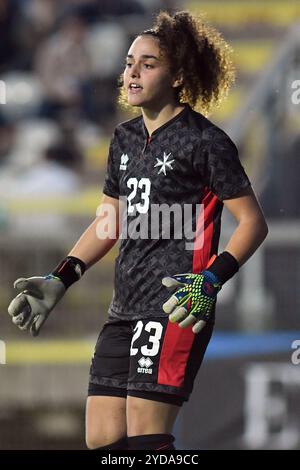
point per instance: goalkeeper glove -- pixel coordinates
(194, 302)
(39, 295)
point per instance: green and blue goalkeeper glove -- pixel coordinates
(193, 303)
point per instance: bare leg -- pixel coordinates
(105, 420)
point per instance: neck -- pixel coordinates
(154, 119)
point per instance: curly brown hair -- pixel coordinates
(197, 51)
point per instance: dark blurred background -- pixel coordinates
(59, 65)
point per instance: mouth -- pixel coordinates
(134, 88)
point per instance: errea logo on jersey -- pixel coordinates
(145, 364)
(124, 160)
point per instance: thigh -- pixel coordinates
(105, 420)
(149, 416)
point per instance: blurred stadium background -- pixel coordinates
(60, 61)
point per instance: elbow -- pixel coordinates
(258, 227)
(265, 228)
(262, 228)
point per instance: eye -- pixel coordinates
(148, 66)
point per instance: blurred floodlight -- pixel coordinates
(106, 44)
(23, 95)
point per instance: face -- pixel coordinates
(147, 78)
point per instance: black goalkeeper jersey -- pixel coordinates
(185, 169)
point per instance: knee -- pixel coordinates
(109, 443)
(149, 417)
(102, 434)
(95, 441)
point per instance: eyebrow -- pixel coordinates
(144, 56)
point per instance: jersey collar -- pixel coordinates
(178, 116)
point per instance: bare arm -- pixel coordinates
(39, 295)
(101, 235)
(252, 228)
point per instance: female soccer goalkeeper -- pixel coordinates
(171, 156)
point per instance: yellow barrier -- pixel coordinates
(251, 56)
(85, 203)
(49, 352)
(228, 106)
(239, 13)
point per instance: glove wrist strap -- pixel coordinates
(224, 267)
(211, 277)
(69, 270)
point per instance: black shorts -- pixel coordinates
(152, 359)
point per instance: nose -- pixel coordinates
(134, 71)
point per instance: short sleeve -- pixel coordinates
(220, 165)
(111, 182)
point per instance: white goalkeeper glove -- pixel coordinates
(39, 295)
(30, 309)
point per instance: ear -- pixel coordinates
(178, 80)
